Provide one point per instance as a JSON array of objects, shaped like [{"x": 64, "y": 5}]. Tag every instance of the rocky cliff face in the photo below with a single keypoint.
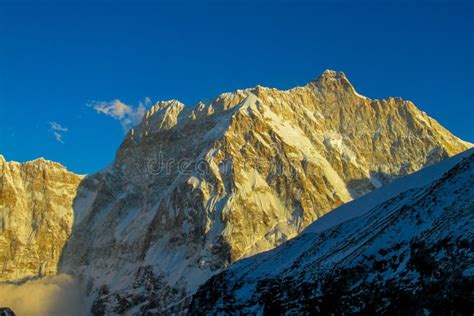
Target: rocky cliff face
[
  {"x": 193, "y": 189},
  {"x": 408, "y": 253},
  {"x": 36, "y": 216}
]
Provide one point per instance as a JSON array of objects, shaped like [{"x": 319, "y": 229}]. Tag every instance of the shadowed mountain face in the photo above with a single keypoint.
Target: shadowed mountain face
[
  {"x": 193, "y": 189},
  {"x": 411, "y": 254}
]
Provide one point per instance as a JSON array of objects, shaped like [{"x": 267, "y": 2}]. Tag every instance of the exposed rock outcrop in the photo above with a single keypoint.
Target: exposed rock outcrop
[{"x": 36, "y": 216}]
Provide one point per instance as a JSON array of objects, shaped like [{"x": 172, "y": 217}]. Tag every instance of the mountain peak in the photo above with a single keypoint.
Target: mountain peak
[
  {"x": 40, "y": 162},
  {"x": 331, "y": 75},
  {"x": 331, "y": 81},
  {"x": 233, "y": 177}
]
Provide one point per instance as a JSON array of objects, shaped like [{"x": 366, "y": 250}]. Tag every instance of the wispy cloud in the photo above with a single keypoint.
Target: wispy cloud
[
  {"x": 53, "y": 295},
  {"x": 58, "y": 131},
  {"x": 128, "y": 115}
]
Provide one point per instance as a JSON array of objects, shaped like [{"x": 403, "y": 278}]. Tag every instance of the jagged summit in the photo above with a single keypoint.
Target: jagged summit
[
  {"x": 329, "y": 74},
  {"x": 40, "y": 162},
  {"x": 332, "y": 82},
  {"x": 164, "y": 114}
]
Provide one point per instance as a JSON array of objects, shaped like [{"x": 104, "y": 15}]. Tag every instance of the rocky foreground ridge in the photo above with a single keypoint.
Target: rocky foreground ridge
[{"x": 193, "y": 189}]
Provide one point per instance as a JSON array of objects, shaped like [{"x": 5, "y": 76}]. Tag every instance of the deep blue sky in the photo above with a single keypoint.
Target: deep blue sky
[{"x": 56, "y": 57}]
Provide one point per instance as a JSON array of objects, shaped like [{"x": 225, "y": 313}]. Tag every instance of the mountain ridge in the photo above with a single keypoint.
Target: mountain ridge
[
  {"x": 36, "y": 216},
  {"x": 193, "y": 189}
]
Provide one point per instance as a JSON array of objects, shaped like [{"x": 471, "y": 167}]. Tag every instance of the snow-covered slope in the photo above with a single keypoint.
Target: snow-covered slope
[
  {"x": 390, "y": 190},
  {"x": 193, "y": 189},
  {"x": 392, "y": 251}
]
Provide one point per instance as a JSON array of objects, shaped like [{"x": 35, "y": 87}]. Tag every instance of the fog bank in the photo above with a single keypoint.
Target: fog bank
[{"x": 55, "y": 295}]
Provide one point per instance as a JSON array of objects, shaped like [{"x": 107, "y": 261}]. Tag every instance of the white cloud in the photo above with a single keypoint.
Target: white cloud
[
  {"x": 58, "y": 131},
  {"x": 58, "y": 137},
  {"x": 115, "y": 109},
  {"x": 128, "y": 115},
  {"x": 55, "y": 295}
]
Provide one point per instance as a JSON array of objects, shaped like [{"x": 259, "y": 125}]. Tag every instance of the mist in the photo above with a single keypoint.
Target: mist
[{"x": 54, "y": 295}]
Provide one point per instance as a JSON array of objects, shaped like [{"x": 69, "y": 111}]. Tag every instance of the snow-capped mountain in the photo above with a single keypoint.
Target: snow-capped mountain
[
  {"x": 193, "y": 189},
  {"x": 36, "y": 216},
  {"x": 389, "y": 252}
]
